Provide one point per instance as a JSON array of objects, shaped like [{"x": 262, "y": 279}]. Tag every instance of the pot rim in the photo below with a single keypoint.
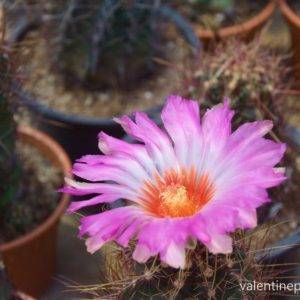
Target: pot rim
[
  {"x": 42, "y": 141},
  {"x": 288, "y": 13},
  {"x": 238, "y": 29},
  {"x": 26, "y": 99}
]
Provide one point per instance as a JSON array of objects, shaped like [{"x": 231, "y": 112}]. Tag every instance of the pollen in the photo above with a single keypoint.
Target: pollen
[
  {"x": 178, "y": 194},
  {"x": 174, "y": 195},
  {"x": 175, "y": 201}
]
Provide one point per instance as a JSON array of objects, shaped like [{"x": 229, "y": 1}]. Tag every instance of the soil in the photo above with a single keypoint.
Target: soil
[
  {"x": 38, "y": 194},
  {"x": 49, "y": 89},
  {"x": 202, "y": 13}
]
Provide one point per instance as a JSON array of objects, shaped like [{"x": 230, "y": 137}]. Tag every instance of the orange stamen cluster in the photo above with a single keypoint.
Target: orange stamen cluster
[{"x": 177, "y": 194}]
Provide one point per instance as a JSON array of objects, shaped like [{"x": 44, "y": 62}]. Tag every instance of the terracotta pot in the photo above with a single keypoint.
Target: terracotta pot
[
  {"x": 30, "y": 259},
  {"x": 245, "y": 30},
  {"x": 293, "y": 21}
]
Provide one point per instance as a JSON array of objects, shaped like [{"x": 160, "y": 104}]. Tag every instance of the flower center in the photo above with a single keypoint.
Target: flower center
[
  {"x": 177, "y": 194},
  {"x": 175, "y": 201}
]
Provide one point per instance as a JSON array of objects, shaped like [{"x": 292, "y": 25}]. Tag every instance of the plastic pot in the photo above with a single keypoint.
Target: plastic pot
[
  {"x": 77, "y": 134},
  {"x": 30, "y": 259},
  {"x": 245, "y": 30},
  {"x": 293, "y": 21}
]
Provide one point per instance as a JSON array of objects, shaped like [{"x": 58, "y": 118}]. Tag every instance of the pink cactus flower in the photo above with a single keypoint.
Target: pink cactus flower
[{"x": 190, "y": 181}]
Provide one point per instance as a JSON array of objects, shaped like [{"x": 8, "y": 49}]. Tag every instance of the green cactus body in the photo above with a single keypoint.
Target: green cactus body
[
  {"x": 106, "y": 42},
  {"x": 245, "y": 73},
  {"x": 206, "y": 276},
  {"x": 9, "y": 168}
]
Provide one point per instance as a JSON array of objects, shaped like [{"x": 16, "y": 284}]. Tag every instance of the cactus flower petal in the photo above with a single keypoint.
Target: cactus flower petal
[{"x": 192, "y": 180}]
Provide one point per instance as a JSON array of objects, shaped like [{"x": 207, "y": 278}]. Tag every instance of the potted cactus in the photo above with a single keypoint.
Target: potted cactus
[
  {"x": 95, "y": 59},
  {"x": 29, "y": 207},
  {"x": 105, "y": 43},
  {"x": 188, "y": 187},
  {"x": 248, "y": 73},
  {"x": 221, "y": 19}
]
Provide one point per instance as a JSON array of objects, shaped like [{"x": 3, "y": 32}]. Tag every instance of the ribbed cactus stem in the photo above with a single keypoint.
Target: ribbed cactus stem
[
  {"x": 104, "y": 42},
  {"x": 206, "y": 276},
  {"x": 9, "y": 170}
]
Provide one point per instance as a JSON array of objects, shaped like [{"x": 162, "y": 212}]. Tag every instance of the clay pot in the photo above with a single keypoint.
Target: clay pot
[
  {"x": 293, "y": 21},
  {"x": 30, "y": 259},
  {"x": 246, "y": 30}
]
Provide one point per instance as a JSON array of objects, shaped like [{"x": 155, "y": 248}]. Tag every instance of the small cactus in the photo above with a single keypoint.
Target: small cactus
[
  {"x": 248, "y": 74},
  {"x": 104, "y": 42}
]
